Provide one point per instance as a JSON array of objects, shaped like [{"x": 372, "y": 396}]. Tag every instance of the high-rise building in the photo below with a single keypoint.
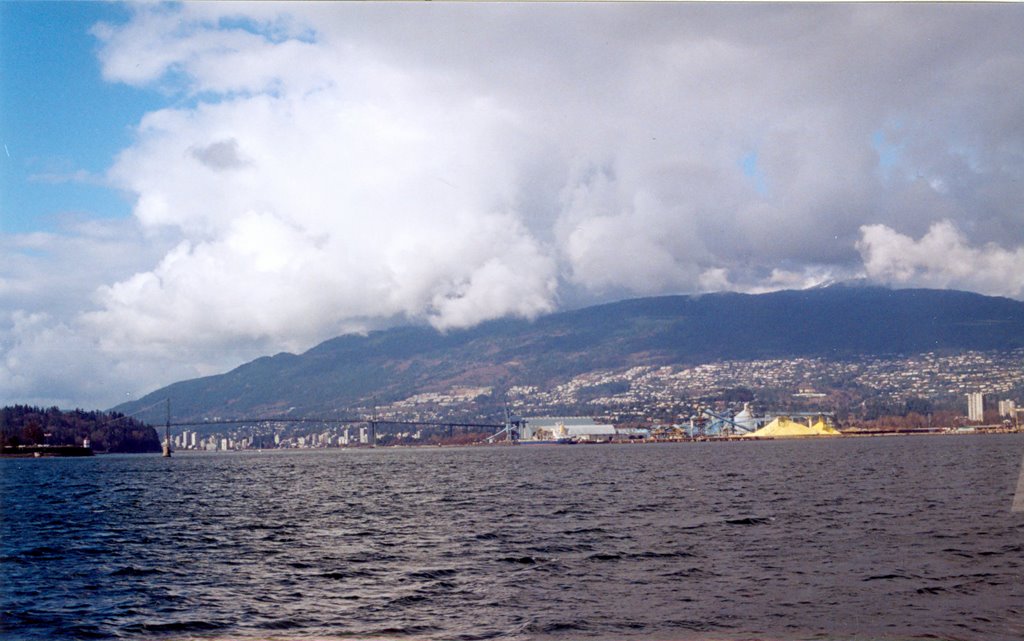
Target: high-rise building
[
  {"x": 1007, "y": 408},
  {"x": 976, "y": 407}
]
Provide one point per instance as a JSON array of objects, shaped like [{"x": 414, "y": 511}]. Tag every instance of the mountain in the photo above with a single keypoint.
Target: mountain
[{"x": 838, "y": 322}]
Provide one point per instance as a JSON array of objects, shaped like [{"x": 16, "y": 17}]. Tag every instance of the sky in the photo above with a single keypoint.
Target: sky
[{"x": 186, "y": 187}]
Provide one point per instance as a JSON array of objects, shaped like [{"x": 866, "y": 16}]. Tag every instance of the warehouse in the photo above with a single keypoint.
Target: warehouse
[{"x": 565, "y": 429}]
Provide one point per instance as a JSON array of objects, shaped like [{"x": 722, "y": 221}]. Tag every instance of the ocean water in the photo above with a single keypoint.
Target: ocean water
[{"x": 871, "y": 538}]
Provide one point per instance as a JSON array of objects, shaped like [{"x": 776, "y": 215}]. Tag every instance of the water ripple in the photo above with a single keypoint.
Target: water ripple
[{"x": 709, "y": 541}]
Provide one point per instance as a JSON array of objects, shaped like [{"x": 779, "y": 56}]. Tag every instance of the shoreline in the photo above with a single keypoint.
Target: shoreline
[
  {"x": 69, "y": 451},
  {"x": 46, "y": 451}
]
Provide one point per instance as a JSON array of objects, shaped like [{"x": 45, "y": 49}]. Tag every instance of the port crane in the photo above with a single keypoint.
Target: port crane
[{"x": 715, "y": 424}]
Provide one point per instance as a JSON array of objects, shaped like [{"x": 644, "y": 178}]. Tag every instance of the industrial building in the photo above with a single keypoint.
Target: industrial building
[{"x": 564, "y": 429}]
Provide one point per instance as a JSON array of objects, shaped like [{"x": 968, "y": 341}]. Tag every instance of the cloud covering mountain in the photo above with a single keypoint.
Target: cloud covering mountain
[{"x": 325, "y": 168}]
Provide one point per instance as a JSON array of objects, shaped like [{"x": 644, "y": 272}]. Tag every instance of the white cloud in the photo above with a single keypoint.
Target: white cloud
[
  {"x": 48, "y": 355},
  {"x": 720, "y": 280},
  {"x": 79, "y": 176},
  {"x": 57, "y": 272},
  {"x": 240, "y": 48},
  {"x": 942, "y": 259},
  {"x": 47, "y": 362},
  {"x": 332, "y": 209},
  {"x": 321, "y": 167}
]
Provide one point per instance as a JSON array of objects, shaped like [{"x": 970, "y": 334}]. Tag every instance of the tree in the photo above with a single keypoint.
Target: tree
[{"x": 33, "y": 433}]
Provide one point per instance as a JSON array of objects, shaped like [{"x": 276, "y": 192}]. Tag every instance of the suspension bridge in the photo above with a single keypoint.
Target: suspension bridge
[{"x": 373, "y": 423}]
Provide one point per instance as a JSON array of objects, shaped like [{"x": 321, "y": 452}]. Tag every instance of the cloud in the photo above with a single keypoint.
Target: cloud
[
  {"x": 79, "y": 176},
  {"x": 339, "y": 209},
  {"x": 941, "y": 259},
  {"x": 220, "y": 155},
  {"x": 244, "y": 48},
  {"x": 57, "y": 272},
  {"x": 321, "y": 168},
  {"x": 45, "y": 360},
  {"x": 47, "y": 354}
]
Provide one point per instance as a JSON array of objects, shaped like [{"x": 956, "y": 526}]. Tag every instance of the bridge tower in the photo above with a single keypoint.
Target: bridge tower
[
  {"x": 167, "y": 430},
  {"x": 373, "y": 425}
]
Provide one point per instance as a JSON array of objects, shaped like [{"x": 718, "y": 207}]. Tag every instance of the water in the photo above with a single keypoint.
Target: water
[{"x": 880, "y": 538}]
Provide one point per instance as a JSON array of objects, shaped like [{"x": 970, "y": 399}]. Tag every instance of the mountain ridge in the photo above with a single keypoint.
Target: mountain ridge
[{"x": 836, "y": 322}]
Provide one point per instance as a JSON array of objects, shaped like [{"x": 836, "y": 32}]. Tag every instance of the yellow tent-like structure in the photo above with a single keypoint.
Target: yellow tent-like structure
[{"x": 783, "y": 427}]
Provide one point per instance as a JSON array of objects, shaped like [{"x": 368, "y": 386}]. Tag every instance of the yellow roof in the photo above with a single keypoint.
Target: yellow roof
[{"x": 783, "y": 427}]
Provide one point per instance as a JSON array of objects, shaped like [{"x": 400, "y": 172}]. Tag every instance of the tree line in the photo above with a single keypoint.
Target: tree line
[{"x": 107, "y": 431}]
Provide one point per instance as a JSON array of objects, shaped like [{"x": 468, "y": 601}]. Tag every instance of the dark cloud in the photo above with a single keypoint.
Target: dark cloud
[{"x": 220, "y": 155}]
